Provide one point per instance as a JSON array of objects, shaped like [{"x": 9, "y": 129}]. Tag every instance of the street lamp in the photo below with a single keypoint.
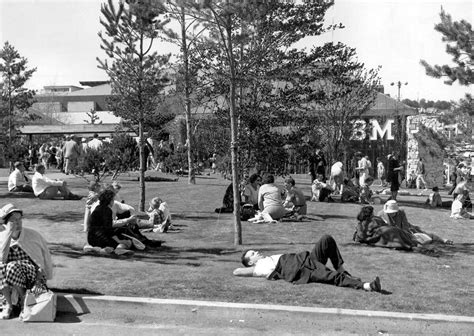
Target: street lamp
[{"x": 399, "y": 85}]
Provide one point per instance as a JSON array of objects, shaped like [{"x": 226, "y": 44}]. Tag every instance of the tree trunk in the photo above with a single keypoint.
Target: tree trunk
[
  {"x": 141, "y": 147},
  {"x": 187, "y": 100},
  {"x": 234, "y": 143}
]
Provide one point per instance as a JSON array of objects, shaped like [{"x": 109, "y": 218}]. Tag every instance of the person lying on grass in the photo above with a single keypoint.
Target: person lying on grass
[
  {"x": 393, "y": 215},
  {"x": 305, "y": 267},
  {"x": 372, "y": 230}
]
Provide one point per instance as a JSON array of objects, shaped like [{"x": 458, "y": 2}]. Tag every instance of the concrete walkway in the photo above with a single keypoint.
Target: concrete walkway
[{"x": 112, "y": 315}]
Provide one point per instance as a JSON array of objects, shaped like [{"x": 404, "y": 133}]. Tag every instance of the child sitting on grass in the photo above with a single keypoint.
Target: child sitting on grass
[
  {"x": 434, "y": 199},
  {"x": 159, "y": 215}
]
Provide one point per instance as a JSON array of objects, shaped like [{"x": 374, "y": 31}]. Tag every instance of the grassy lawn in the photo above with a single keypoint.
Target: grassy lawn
[{"x": 197, "y": 262}]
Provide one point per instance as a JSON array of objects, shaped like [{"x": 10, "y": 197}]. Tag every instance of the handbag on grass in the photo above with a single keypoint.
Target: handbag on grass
[{"x": 39, "y": 307}]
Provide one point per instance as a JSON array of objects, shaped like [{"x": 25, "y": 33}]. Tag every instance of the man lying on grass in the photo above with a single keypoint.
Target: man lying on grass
[{"x": 305, "y": 267}]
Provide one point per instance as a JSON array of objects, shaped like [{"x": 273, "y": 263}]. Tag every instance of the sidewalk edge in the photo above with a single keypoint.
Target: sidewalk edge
[{"x": 81, "y": 303}]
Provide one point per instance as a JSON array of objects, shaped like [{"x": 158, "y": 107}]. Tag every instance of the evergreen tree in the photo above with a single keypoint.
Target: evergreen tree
[
  {"x": 458, "y": 37},
  {"x": 137, "y": 71},
  {"x": 16, "y": 99}
]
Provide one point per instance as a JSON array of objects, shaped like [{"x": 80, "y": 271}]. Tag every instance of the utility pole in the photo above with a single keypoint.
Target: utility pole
[{"x": 399, "y": 85}]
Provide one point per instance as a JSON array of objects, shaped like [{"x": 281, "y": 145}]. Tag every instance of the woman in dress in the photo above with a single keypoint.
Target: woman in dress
[{"x": 269, "y": 198}]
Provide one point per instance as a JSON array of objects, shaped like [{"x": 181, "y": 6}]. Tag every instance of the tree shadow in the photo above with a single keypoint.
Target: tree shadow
[
  {"x": 65, "y": 216},
  {"x": 17, "y": 195}
]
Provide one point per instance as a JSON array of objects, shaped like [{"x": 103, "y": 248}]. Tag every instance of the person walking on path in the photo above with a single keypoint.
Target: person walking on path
[
  {"x": 305, "y": 267},
  {"x": 420, "y": 177}
]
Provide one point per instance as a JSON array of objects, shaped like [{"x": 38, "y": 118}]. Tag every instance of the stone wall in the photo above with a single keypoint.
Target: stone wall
[{"x": 422, "y": 144}]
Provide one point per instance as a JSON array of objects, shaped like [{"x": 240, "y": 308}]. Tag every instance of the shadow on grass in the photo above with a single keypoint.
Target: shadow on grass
[
  {"x": 17, "y": 195},
  {"x": 324, "y": 217},
  {"x": 66, "y": 216},
  {"x": 76, "y": 290},
  {"x": 431, "y": 250}
]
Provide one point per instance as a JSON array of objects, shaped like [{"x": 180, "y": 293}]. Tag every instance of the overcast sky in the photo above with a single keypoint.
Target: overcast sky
[{"x": 59, "y": 37}]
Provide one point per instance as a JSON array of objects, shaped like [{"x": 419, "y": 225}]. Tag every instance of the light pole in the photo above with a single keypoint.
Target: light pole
[{"x": 399, "y": 85}]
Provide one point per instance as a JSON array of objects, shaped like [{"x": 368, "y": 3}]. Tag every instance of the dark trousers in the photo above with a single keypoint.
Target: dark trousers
[{"x": 324, "y": 249}]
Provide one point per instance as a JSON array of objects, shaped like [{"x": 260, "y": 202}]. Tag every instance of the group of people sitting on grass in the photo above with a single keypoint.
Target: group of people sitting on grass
[
  {"x": 263, "y": 200},
  {"x": 40, "y": 185},
  {"x": 115, "y": 227}
]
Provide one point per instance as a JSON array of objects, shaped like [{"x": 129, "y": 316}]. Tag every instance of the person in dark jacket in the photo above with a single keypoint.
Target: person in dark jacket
[{"x": 305, "y": 267}]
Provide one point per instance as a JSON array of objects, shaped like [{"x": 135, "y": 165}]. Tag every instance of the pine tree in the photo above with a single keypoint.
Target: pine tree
[
  {"x": 458, "y": 37},
  {"x": 16, "y": 99},
  {"x": 137, "y": 72}
]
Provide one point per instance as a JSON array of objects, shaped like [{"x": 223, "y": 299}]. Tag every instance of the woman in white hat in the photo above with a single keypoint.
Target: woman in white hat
[
  {"x": 25, "y": 259},
  {"x": 393, "y": 215}
]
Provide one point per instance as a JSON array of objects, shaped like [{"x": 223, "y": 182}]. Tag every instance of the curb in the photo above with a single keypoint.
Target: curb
[{"x": 84, "y": 304}]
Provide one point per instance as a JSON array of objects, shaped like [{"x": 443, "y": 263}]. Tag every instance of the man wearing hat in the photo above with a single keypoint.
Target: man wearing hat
[{"x": 18, "y": 181}]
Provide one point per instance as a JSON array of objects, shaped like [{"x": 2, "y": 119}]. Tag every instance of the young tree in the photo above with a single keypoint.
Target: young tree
[
  {"x": 137, "y": 72},
  {"x": 458, "y": 37},
  {"x": 16, "y": 99},
  {"x": 93, "y": 118}
]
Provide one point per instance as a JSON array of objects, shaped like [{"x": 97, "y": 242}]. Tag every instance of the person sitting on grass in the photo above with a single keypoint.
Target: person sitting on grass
[
  {"x": 458, "y": 209},
  {"x": 46, "y": 188},
  {"x": 295, "y": 199},
  {"x": 372, "y": 230},
  {"x": 18, "y": 181},
  {"x": 102, "y": 231},
  {"x": 304, "y": 267},
  {"x": 350, "y": 192},
  {"x": 365, "y": 194},
  {"x": 321, "y": 190},
  {"x": 250, "y": 193},
  {"x": 393, "y": 215},
  {"x": 92, "y": 198},
  {"x": 25, "y": 260},
  {"x": 228, "y": 201},
  {"x": 434, "y": 199},
  {"x": 159, "y": 217},
  {"x": 269, "y": 198}
]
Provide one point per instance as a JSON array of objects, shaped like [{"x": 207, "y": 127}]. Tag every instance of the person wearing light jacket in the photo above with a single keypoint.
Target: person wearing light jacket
[{"x": 25, "y": 260}]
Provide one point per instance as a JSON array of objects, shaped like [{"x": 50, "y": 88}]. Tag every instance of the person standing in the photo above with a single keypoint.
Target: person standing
[
  {"x": 363, "y": 168},
  {"x": 381, "y": 172},
  {"x": 420, "y": 176},
  {"x": 392, "y": 175},
  {"x": 95, "y": 143},
  {"x": 71, "y": 152}
]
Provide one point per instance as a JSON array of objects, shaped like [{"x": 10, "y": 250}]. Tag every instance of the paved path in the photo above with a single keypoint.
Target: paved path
[{"x": 110, "y": 315}]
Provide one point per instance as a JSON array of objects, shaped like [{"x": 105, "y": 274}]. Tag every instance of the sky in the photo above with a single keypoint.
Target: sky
[{"x": 59, "y": 38}]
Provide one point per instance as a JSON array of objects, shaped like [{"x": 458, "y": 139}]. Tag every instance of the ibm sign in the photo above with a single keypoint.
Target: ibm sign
[{"x": 378, "y": 132}]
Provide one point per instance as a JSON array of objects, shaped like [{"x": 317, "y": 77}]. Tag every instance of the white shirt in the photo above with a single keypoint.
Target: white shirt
[
  {"x": 95, "y": 144},
  {"x": 265, "y": 266},
  {"x": 41, "y": 182},
  {"x": 17, "y": 178}
]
